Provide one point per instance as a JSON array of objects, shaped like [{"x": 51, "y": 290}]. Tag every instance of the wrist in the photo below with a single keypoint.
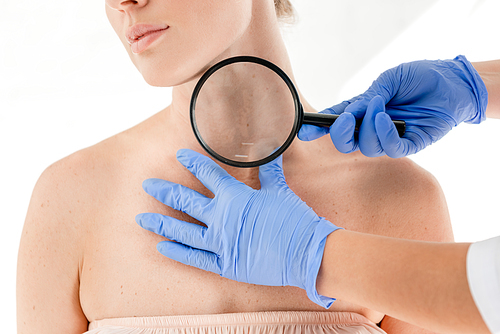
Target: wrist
[
  {"x": 330, "y": 269},
  {"x": 314, "y": 255},
  {"x": 478, "y": 90},
  {"x": 489, "y": 71}
]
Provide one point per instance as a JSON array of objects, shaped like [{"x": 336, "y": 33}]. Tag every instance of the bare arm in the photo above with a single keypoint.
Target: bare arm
[
  {"x": 434, "y": 294},
  {"x": 49, "y": 261},
  {"x": 490, "y": 73}
]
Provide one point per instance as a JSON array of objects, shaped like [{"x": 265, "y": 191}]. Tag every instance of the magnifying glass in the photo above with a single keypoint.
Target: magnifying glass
[{"x": 245, "y": 112}]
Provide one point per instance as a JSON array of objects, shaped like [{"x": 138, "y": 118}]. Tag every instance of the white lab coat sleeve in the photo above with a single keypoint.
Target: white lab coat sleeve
[{"x": 483, "y": 273}]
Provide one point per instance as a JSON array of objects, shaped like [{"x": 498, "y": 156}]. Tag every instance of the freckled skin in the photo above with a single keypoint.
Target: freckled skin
[{"x": 93, "y": 261}]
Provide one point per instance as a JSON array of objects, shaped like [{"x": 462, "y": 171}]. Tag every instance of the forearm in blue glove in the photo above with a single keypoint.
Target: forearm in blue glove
[
  {"x": 267, "y": 236},
  {"x": 430, "y": 96}
]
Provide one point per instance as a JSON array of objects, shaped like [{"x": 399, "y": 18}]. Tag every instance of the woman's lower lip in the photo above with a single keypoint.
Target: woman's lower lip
[{"x": 142, "y": 44}]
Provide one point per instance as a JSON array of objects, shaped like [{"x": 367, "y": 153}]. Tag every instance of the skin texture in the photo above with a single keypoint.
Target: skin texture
[{"x": 82, "y": 256}]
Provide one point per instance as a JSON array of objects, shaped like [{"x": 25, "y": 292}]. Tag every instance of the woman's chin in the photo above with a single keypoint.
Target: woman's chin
[
  {"x": 159, "y": 80},
  {"x": 166, "y": 78}
]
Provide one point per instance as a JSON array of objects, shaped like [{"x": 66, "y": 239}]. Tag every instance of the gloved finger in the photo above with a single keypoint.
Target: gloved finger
[
  {"x": 178, "y": 197},
  {"x": 386, "y": 86},
  {"x": 190, "y": 256},
  {"x": 392, "y": 144},
  {"x": 342, "y": 133},
  {"x": 311, "y": 132},
  {"x": 271, "y": 174},
  {"x": 212, "y": 176},
  {"x": 174, "y": 229},
  {"x": 369, "y": 143},
  {"x": 415, "y": 139},
  {"x": 359, "y": 107}
]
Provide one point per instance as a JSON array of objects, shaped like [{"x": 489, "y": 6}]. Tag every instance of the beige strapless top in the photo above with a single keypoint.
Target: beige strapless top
[{"x": 236, "y": 323}]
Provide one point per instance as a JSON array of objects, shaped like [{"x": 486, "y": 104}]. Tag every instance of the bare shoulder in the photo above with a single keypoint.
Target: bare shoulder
[
  {"x": 51, "y": 252},
  {"x": 68, "y": 197},
  {"x": 384, "y": 196},
  {"x": 59, "y": 194},
  {"x": 76, "y": 178},
  {"x": 87, "y": 173},
  {"x": 68, "y": 192},
  {"x": 401, "y": 198}
]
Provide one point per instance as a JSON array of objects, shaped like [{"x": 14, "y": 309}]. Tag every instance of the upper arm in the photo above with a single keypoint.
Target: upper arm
[{"x": 49, "y": 259}]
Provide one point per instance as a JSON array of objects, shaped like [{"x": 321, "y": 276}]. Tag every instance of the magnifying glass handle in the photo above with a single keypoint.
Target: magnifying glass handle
[{"x": 327, "y": 120}]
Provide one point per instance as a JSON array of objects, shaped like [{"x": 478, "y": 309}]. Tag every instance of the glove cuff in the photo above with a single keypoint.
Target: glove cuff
[
  {"x": 323, "y": 229},
  {"x": 478, "y": 88}
]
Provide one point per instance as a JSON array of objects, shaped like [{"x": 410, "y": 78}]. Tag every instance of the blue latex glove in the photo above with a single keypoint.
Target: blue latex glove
[
  {"x": 430, "y": 96},
  {"x": 267, "y": 236}
]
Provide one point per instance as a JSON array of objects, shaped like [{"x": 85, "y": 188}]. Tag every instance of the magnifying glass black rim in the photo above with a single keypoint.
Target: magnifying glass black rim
[{"x": 241, "y": 59}]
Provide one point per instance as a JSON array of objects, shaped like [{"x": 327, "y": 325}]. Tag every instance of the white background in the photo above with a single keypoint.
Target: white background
[{"x": 66, "y": 83}]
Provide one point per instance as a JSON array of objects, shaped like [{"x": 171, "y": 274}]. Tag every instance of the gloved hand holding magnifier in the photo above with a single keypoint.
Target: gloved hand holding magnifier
[{"x": 242, "y": 128}]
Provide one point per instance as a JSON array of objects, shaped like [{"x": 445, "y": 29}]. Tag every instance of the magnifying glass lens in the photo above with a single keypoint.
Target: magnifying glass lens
[{"x": 244, "y": 112}]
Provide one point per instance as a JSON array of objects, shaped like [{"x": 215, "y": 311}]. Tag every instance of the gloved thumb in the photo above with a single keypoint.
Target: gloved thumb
[
  {"x": 206, "y": 170},
  {"x": 271, "y": 174}
]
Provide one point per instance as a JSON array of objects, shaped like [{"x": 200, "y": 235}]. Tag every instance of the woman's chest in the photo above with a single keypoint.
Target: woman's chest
[{"x": 124, "y": 275}]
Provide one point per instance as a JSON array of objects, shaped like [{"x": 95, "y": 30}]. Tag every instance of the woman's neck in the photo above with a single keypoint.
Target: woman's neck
[{"x": 263, "y": 39}]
